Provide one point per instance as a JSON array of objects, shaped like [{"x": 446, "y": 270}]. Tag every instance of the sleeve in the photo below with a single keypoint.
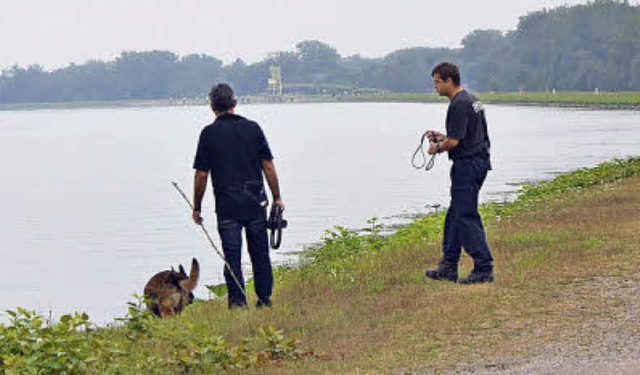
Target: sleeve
[
  {"x": 202, "y": 161},
  {"x": 458, "y": 121},
  {"x": 264, "y": 152}
]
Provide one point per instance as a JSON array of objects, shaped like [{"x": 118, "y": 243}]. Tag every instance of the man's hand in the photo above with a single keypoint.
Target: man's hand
[
  {"x": 195, "y": 215},
  {"x": 199, "y": 186},
  {"x": 280, "y": 203},
  {"x": 434, "y": 148},
  {"x": 434, "y": 134}
]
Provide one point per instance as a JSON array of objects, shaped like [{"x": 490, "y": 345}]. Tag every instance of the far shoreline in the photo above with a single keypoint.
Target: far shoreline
[{"x": 609, "y": 101}]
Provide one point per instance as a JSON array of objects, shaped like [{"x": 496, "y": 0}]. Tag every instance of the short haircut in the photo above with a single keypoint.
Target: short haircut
[
  {"x": 221, "y": 96},
  {"x": 447, "y": 70}
]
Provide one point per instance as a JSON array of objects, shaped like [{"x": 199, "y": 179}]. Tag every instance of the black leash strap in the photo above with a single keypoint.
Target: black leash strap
[
  {"x": 276, "y": 224},
  {"x": 425, "y": 164}
]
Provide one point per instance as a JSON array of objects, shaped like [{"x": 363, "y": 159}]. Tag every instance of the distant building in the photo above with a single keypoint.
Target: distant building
[{"x": 275, "y": 81}]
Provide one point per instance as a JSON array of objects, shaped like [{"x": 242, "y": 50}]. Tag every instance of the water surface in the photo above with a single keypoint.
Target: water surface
[{"x": 88, "y": 212}]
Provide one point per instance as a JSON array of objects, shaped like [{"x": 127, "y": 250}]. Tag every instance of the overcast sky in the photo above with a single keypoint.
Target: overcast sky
[{"x": 55, "y": 33}]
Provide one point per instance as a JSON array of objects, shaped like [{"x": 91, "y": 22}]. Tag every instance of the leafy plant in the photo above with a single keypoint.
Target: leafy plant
[
  {"x": 31, "y": 344},
  {"x": 138, "y": 318},
  {"x": 276, "y": 346},
  {"x": 218, "y": 291}
]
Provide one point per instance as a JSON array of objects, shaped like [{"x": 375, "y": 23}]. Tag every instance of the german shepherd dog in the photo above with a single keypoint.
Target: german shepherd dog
[{"x": 169, "y": 292}]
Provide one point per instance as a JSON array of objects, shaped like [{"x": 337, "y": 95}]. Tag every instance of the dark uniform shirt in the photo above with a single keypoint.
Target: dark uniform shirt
[
  {"x": 467, "y": 123},
  {"x": 232, "y": 149}
]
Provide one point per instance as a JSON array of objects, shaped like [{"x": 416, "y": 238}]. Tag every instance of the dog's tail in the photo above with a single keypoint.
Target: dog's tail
[{"x": 191, "y": 283}]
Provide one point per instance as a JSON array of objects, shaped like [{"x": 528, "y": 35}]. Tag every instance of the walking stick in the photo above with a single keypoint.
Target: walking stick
[{"x": 211, "y": 241}]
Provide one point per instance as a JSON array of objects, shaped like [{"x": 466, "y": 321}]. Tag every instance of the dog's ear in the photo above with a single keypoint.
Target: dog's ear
[{"x": 182, "y": 272}]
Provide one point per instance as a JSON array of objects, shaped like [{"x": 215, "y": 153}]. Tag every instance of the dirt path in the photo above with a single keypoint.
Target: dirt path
[{"x": 609, "y": 343}]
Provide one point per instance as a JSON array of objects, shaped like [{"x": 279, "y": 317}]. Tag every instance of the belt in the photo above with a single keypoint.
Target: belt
[{"x": 479, "y": 156}]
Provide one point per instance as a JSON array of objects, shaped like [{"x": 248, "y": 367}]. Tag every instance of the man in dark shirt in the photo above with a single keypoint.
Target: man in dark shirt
[
  {"x": 236, "y": 153},
  {"x": 468, "y": 145}
]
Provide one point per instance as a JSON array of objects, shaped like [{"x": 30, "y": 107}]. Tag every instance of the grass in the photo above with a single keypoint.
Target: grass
[
  {"x": 360, "y": 304},
  {"x": 560, "y": 98}
]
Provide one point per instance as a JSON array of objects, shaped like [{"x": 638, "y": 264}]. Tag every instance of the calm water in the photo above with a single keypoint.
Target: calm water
[{"x": 88, "y": 212}]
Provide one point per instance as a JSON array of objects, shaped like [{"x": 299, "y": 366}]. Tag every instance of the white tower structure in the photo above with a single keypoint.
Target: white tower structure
[{"x": 275, "y": 81}]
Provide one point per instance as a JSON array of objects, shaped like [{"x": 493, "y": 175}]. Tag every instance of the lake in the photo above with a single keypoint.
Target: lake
[{"x": 88, "y": 212}]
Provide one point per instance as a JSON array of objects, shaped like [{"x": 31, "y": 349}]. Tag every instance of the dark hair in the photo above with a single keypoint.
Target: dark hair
[
  {"x": 221, "y": 96},
  {"x": 447, "y": 70}
]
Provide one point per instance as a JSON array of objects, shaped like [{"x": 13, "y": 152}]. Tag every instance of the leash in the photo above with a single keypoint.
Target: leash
[
  {"x": 211, "y": 241},
  {"x": 276, "y": 224},
  {"x": 427, "y": 165}
]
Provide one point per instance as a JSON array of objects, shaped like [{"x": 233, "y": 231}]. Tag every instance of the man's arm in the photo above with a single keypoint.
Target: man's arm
[
  {"x": 445, "y": 145},
  {"x": 199, "y": 187},
  {"x": 271, "y": 175}
]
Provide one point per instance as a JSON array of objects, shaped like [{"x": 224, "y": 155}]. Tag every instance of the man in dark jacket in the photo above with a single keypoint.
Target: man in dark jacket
[
  {"x": 467, "y": 143},
  {"x": 236, "y": 153}
]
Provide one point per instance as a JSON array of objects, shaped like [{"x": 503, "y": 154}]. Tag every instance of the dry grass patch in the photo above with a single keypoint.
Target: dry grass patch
[
  {"x": 549, "y": 261},
  {"x": 555, "y": 265}
]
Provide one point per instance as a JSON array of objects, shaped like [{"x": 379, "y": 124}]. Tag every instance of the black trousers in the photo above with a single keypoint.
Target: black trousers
[
  {"x": 463, "y": 225},
  {"x": 258, "y": 246}
]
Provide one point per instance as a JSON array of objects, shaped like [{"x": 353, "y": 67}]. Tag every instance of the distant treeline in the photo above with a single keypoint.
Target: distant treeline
[{"x": 584, "y": 47}]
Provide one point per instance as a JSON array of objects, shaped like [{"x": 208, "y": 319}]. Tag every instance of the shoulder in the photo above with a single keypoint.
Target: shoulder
[
  {"x": 465, "y": 97},
  {"x": 207, "y": 129},
  {"x": 473, "y": 102},
  {"x": 249, "y": 122},
  {"x": 242, "y": 120},
  {"x": 253, "y": 126},
  {"x": 464, "y": 100}
]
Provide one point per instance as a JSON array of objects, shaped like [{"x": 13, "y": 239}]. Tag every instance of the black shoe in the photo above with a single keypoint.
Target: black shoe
[
  {"x": 263, "y": 303},
  {"x": 445, "y": 271},
  {"x": 237, "y": 305},
  {"x": 476, "y": 277}
]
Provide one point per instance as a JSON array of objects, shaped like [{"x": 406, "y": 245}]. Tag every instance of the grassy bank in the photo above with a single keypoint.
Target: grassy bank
[
  {"x": 361, "y": 303},
  {"x": 605, "y": 100}
]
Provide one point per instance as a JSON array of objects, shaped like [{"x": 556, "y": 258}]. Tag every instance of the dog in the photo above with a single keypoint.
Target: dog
[{"x": 168, "y": 292}]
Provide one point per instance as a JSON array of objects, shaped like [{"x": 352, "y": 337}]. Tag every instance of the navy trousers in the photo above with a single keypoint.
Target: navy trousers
[
  {"x": 463, "y": 224},
  {"x": 258, "y": 246}
]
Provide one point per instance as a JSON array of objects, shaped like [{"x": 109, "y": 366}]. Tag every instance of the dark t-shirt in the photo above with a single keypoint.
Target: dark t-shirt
[
  {"x": 232, "y": 149},
  {"x": 467, "y": 123}
]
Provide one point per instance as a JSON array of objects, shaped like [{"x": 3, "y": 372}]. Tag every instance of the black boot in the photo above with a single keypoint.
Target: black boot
[
  {"x": 476, "y": 277},
  {"x": 263, "y": 303},
  {"x": 445, "y": 271}
]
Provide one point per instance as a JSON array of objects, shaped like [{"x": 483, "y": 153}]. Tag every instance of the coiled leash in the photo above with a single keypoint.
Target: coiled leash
[
  {"x": 426, "y": 165},
  {"x": 276, "y": 224}
]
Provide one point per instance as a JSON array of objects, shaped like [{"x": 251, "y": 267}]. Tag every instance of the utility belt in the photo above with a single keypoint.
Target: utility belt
[
  {"x": 481, "y": 151},
  {"x": 250, "y": 197},
  {"x": 474, "y": 156}
]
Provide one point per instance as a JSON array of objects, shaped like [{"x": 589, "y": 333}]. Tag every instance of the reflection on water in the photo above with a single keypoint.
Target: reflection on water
[{"x": 89, "y": 213}]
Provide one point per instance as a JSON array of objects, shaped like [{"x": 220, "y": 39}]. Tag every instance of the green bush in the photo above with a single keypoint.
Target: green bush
[{"x": 31, "y": 344}]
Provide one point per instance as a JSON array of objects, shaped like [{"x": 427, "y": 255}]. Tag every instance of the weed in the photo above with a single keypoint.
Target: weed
[
  {"x": 138, "y": 318},
  {"x": 31, "y": 344}
]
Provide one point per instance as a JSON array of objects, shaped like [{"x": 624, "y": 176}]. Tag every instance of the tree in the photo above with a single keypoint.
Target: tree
[
  {"x": 567, "y": 48},
  {"x": 145, "y": 75},
  {"x": 480, "y": 48},
  {"x": 319, "y": 62}
]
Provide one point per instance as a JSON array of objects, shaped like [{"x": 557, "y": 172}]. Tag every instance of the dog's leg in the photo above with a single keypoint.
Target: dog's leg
[{"x": 165, "y": 305}]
